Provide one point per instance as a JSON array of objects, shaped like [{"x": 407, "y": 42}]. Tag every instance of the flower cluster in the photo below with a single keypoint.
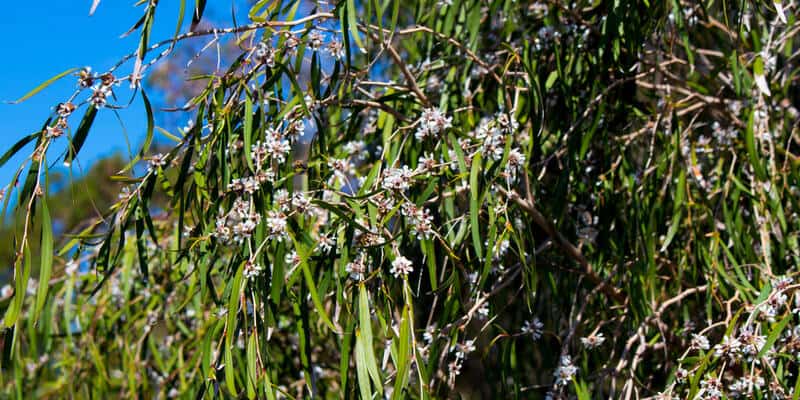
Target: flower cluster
[
  {"x": 420, "y": 220},
  {"x": 432, "y": 122},
  {"x": 239, "y": 223},
  {"x": 401, "y": 267}
]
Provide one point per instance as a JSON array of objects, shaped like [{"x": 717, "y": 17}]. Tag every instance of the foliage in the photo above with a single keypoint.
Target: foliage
[{"x": 485, "y": 198}]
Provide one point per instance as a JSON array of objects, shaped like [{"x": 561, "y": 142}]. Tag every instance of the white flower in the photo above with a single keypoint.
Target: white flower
[
  {"x": 265, "y": 53},
  {"x": 341, "y": 168},
  {"x": 244, "y": 228},
  {"x": 281, "y": 199},
  {"x": 593, "y": 341},
  {"x": 533, "y": 327},
  {"x": 468, "y": 347},
  {"x": 276, "y": 223},
  {"x": 356, "y": 149},
  {"x": 6, "y": 291},
  {"x": 564, "y": 372},
  {"x": 315, "y": 40},
  {"x": 516, "y": 162},
  {"x": 711, "y": 388},
  {"x": 336, "y": 49},
  {"x": 295, "y": 129},
  {"x": 71, "y": 267},
  {"x": 277, "y": 147},
  {"x": 398, "y": 179},
  {"x": 426, "y": 163},
  {"x": 494, "y": 143},
  {"x": 100, "y": 94},
  {"x": 300, "y": 202},
  {"x": 700, "y": 342},
  {"x": 250, "y": 185},
  {"x": 483, "y": 310},
  {"x": 251, "y": 270},
  {"x": 325, "y": 243},
  {"x": 681, "y": 375},
  {"x": 156, "y": 161},
  {"x": 744, "y": 386},
  {"x": 428, "y": 334},
  {"x": 401, "y": 266},
  {"x": 730, "y": 347},
  {"x": 420, "y": 220},
  {"x": 292, "y": 259},
  {"x": 431, "y": 123},
  {"x": 357, "y": 268}
]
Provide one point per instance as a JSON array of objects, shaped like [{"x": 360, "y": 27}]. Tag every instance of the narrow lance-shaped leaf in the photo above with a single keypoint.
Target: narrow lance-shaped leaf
[
  {"x": 43, "y": 85},
  {"x": 80, "y": 135}
]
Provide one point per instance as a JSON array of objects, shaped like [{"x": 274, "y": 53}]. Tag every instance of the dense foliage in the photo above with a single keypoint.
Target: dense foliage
[{"x": 477, "y": 198}]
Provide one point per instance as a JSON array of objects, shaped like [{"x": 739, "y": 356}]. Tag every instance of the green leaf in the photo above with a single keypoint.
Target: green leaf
[
  {"x": 199, "y": 7},
  {"x": 351, "y": 11},
  {"x": 80, "y": 135},
  {"x": 303, "y": 253},
  {"x": 551, "y": 79},
  {"x": 17, "y": 147},
  {"x": 474, "y": 206},
  {"x": 365, "y": 326},
  {"x": 248, "y": 129},
  {"x": 43, "y": 85},
  {"x": 150, "y": 125},
  {"x": 46, "y": 258},
  {"x": 774, "y": 334}
]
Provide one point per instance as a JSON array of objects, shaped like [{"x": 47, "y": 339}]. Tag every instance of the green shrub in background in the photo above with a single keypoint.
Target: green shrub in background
[{"x": 417, "y": 199}]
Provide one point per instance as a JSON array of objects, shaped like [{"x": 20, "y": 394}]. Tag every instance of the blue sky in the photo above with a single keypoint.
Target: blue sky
[{"x": 47, "y": 37}]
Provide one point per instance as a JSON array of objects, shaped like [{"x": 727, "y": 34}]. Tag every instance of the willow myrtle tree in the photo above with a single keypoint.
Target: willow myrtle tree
[{"x": 431, "y": 199}]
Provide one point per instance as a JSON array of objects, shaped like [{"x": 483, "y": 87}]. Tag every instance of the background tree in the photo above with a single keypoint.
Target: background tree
[{"x": 420, "y": 199}]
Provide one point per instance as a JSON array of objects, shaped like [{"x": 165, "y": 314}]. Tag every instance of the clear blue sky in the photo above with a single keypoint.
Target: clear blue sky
[{"x": 46, "y": 37}]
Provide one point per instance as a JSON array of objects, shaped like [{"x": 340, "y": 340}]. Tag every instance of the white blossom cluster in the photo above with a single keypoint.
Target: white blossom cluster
[
  {"x": 397, "y": 179},
  {"x": 401, "y": 267},
  {"x": 420, "y": 220},
  {"x": 239, "y": 223},
  {"x": 432, "y": 123}
]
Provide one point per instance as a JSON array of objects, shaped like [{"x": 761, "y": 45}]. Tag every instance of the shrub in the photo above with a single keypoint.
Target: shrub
[{"x": 432, "y": 199}]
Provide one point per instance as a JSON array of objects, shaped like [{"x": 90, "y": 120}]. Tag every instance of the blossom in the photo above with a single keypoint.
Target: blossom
[
  {"x": 300, "y": 202},
  {"x": 276, "y": 223},
  {"x": 681, "y": 374},
  {"x": 99, "y": 96},
  {"x": 315, "y": 40},
  {"x": 426, "y": 163},
  {"x": 277, "y": 147},
  {"x": 431, "y": 123},
  {"x": 420, "y": 220},
  {"x": 564, "y": 372},
  {"x": 398, "y": 179},
  {"x": 251, "y": 270},
  {"x": 296, "y": 128},
  {"x": 65, "y": 109},
  {"x": 292, "y": 259},
  {"x": 515, "y": 163},
  {"x": 264, "y": 53},
  {"x": 700, "y": 342},
  {"x": 730, "y": 347},
  {"x": 494, "y": 143},
  {"x": 336, "y": 49},
  {"x": 401, "y": 266},
  {"x": 711, "y": 387},
  {"x": 325, "y": 243},
  {"x": 71, "y": 267},
  {"x": 6, "y": 291},
  {"x": 155, "y": 162},
  {"x": 356, "y": 149},
  {"x": 341, "y": 168},
  {"x": 357, "y": 268},
  {"x": 593, "y": 341}
]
